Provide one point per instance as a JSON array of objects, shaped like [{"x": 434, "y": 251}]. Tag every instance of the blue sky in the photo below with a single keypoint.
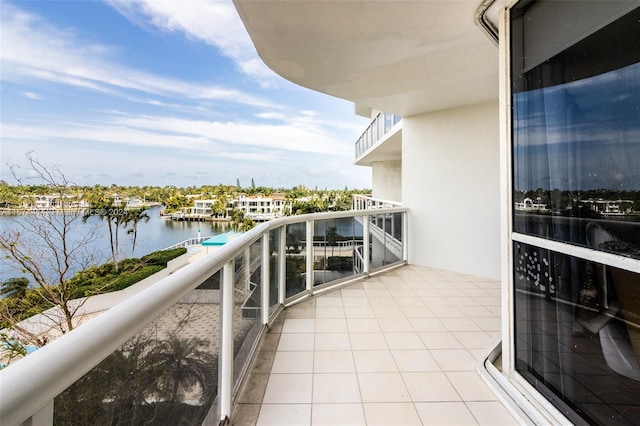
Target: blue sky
[
  {"x": 162, "y": 93},
  {"x": 580, "y": 135}
]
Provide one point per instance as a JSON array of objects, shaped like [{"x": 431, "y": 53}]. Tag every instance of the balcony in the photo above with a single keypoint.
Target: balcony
[
  {"x": 382, "y": 140},
  {"x": 301, "y": 316},
  {"x": 399, "y": 348}
]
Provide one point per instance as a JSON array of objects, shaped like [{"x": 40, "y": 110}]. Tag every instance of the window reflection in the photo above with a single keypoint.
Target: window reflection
[
  {"x": 578, "y": 333},
  {"x": 576, "y": 179},
  {"x": 576, "y": 138}
]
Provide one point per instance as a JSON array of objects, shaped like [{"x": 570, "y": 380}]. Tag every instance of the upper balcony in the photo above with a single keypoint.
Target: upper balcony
[{"x": 381, "y": 141}]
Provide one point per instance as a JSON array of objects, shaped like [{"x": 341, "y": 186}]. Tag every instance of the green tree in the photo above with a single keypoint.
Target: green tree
[
  {"x": 115, "y": 391},
  {"x": 295, "y": 237},
  {"x": 45, "y": 249},
  {"x": 106, "y": 211},
  {"x": 218, "y": 208},
  {"x": 239, "y": 222},
  {"x": 14, "y": 287},
  {"x": 183, "y": 364},
  {"x": 134, "y": 217},
  {"x": 332, "y": 236},
  {"x": 12, "y": 348},
  {"x": 9, "y": 196},
  {"x": 177, "y": 201}
]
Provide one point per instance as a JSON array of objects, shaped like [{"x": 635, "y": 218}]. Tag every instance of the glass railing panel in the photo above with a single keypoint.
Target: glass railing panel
[
  {"x": 274, "y": 270},
  {"x": 166, "y": 374},
  {"x": 295, "y": 265},
  {"x": 247, "y": 302},
  {"x": 377, "y": 241},
  {"x": 397, "y": 226},
  {"x": 336, "y": 241},
  {"x": 320, "y": 243},
  {"x": 385, "y": 249},
  {"x": 374, "y": 129}
]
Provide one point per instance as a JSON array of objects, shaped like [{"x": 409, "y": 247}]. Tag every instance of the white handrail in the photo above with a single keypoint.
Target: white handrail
[
  {"x": 32, "y": 383},
  {"x": 367, "y": 202},
  {"x": 376, "y": 131}
]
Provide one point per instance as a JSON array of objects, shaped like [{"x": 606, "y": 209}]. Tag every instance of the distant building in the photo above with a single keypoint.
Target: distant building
[
  {"x": 53, "y": 202},
  {"x": 529, "y": 205},
  {"x": 609, "y": 207},
  {"x": 261, "y": 208}
]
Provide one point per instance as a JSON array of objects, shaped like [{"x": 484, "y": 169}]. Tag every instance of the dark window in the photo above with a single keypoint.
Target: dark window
[
  {"x": 576, "y": 121},
  {"x": 576, "y": 179},
  {"x": 578, "y": 334}
]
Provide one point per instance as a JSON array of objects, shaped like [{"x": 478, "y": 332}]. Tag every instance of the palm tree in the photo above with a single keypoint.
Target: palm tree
[
  {"x": 103, "y": 208},
  {"x": 184, "y": 363},
  {"x": 239, "y": 222},
  {"x": 114, "y": 391},
  {"x": 332, "y": 236},
  {"x": 135, "y": 216}
]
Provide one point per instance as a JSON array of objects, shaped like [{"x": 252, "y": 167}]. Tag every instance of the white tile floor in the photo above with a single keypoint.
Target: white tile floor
[{"x": 397, "y": 349}]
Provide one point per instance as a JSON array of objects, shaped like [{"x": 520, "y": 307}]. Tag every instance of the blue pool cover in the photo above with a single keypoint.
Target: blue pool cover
[{"x": 221, "y": 239}]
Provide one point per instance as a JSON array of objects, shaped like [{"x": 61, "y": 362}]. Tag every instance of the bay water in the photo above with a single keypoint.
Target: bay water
[{"x": 156, "y": 234}]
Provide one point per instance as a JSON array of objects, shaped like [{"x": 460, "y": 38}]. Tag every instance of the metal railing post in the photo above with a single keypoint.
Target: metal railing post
[
  {"x": 266, "y": 284},
  {"x": 282, "y": 265},
  {"x": 405, "y": 234},
  {"x": 309, "y": 255},
  {"x": 226, "y": 341},
  {"x": 365, "y": 242},
  {"x": 392, "y": 231},
  {"x": 246, "y": 269}
]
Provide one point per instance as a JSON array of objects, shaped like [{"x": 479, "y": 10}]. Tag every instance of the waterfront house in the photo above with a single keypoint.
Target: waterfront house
[
  {"x": 53, "y": 202},
  {"x": 259, "y": 207},
  {"x": 203, "y": 207}
]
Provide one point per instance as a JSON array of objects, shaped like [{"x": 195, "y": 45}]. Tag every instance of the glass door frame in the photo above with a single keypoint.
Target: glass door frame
[{"x": 540, "y": 404}]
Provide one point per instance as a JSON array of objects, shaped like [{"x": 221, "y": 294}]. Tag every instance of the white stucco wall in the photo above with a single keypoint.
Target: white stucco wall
[
  {"x": 387, "y": 180},
  {"x": 451, "y": 183}
]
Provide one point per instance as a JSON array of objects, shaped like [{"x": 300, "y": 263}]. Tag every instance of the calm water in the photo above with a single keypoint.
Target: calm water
[{"x": 154, "y": 235}]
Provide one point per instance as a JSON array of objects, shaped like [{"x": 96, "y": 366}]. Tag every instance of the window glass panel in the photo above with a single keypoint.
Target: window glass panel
[
  {"x": 576, "y": 134},
  {"x": 576, "y": 179},
  {"x": 578, "y": 334}
]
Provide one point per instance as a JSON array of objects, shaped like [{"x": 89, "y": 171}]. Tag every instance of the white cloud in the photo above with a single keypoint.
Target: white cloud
[
  {"x": 210, "y": 137},
  {"x": 213, "y": 22},
  {"x": 271, "y": 115},
  {"x": 33, "y": 96},
  {"x": 33, "y": 49},
  {"x": 281, "y": 143},
  {"x": 302, "y": 138}
]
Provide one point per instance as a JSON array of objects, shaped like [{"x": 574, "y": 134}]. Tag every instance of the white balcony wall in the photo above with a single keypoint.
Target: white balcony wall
[
  {"x": 387, "y": 180},
  {"x": 450, "y": 183}
]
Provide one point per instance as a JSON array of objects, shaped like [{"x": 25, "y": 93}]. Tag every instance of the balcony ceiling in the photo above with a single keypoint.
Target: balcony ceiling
[{"x": 405, "y": 57}]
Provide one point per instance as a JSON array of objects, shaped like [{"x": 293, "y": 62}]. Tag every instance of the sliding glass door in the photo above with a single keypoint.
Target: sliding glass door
[{"x": 575, "y": 73}]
